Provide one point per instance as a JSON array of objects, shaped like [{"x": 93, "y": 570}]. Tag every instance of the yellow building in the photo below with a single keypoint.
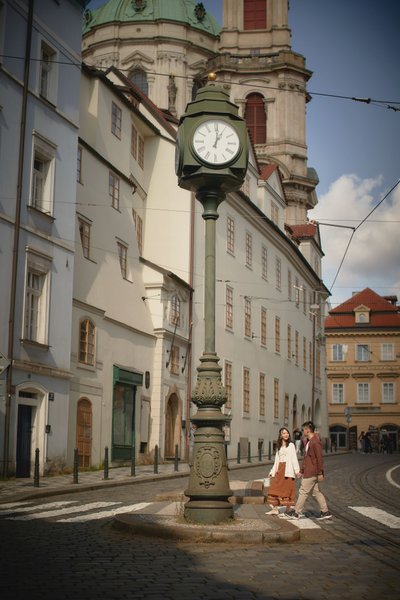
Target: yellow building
[{"x": 363, "y": 370}]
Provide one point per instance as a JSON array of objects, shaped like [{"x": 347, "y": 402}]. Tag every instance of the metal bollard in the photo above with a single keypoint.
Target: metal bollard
[
  {"x": 260, "y": 445},
  {"x": 105, "y": 463},
  {"x": 249, "y": 452},
  {"x": 176, "y": 459},
  {"x": 269, "y": 450},
  {"x": 36, "y": 469},
  {"x": 156, "y": 459},
  {"x": 238, "y": 453},
  {"x": 75, "y": 480},
  {"x": 326, "y": 445},
  {"x": 133, "y": 461}
]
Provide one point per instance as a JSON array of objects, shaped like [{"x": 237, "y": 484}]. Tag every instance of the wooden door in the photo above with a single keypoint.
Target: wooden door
[
  {"x": 24, "y": 441},
  {"x": 84, "y": 433}
]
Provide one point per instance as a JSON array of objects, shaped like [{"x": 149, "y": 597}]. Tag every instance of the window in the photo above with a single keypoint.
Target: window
[
  {"x": 337, "y": 393},
  {"x": 48, "y": 73},
  {"x": 337, "y": 352},
  {"x": 317, "y": 361},
  {"x": 387, "y": 352},
  {"x": 139, "y": 78},
  {"x": 79, "y": 165},
  {"x": 249, "y": 249},
  {"x": 274, "y": 214},
  {"x": 289, "y": 284},
  {"x": 278, "y": 273},
  {"x": 304, "y": 300},
  {"x": 228, "y": 384},
  {"x": 37, "y": 286},
  {"x": 276, "y": 399},
  {"x": 289, "y": 342},
  {"x": 134, "y": 142},
  {"x": 256, "y": 118},
  {"x": 229, "y": 307},
  {"x": 138, "y": 221},
  {"x": 43, "y": 168},
  {"x": 310, "y": 356},
  {"x": 246, "y": 390},
  {"x": 123, "y": 256},
  {"x": 86, "y": 342},
  {"x": 261, "y": 395},
  {"x": 388, "y": 393},
  {"x": 263, "y": 326},
  {"x": 297, "y": 292},
  {"x": 304, "y": 353},
  {"x": 277, "y": 335},
  {"x": 174, "y": 362},
  {"x": 230, "y": 234},
  {"x": 362, "y": 352},
  {"x": 175, "y": 314},
  {"x": 264, "y": 262},
  {"x": 113, "y": 190},
  {"x": 363, "y": 393},
  {"x": 310, "y": 302},
  {"x": 296, "y": 348},
  {"x": 34, "y": 290},
  {"x": 84, "y": 232},
  {"x": 116, "y": 120},
  {"x": 254, "y": 14},
  {"x": 141, "y": 152},
  {"x": 247, "y": 317}
]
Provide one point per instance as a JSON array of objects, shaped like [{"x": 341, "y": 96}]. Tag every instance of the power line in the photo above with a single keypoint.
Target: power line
[{"x": 373, "y": 101}]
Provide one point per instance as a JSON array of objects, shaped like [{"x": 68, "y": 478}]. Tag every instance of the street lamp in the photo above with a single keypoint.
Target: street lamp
[{"x": 211, "y": 160}]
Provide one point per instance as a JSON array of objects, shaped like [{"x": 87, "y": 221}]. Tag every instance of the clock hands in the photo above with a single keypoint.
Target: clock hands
[{"x": 218, "y": 135}]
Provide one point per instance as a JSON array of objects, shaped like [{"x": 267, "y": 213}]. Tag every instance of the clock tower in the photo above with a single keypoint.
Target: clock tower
[{"x": 268, "y": 82}]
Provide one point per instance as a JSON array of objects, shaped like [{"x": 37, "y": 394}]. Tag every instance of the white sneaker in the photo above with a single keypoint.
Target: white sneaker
[{"x": 273, "y": 511}]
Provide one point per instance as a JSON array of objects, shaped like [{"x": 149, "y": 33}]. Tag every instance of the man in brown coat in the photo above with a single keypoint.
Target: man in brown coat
[{"x": 312, "y": 472}]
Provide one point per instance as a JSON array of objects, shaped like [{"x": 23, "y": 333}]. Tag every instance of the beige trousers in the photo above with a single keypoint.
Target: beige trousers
[{"x": 309, "y": 485}]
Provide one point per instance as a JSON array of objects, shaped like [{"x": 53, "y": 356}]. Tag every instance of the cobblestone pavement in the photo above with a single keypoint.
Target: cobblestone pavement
[{"x": 50, "y": 560}]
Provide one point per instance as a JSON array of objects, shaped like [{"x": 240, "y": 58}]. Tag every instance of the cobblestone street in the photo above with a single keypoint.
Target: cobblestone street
[{"x": 52, "y": 560}]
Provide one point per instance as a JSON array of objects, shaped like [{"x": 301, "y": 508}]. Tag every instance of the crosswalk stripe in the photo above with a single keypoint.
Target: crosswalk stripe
[
  {"x": 304, "y": 523},
  {"x": 26, "y": 509},
  {"x": 63, "y": 511},
  {"x": 12, "y": 504},
  {"x": 105, "y": 513},
  {"x": 378, "y": 515}
]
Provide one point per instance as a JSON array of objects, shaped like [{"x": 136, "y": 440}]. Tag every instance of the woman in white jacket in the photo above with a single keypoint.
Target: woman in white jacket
[{"x": 282, "y": 489}]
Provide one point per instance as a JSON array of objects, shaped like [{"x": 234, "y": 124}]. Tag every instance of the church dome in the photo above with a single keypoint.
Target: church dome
[{"x": 186, "y": 12}]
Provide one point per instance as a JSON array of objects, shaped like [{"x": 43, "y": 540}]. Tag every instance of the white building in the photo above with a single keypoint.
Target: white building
[{"x": 39, "y": 82}]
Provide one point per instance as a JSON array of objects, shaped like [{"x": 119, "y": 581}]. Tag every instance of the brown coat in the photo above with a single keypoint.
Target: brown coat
[{"x": 313, "y": 462}]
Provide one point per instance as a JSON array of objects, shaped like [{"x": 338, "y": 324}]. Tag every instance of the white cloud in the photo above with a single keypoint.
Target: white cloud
[{"x": 373, "y": 258}]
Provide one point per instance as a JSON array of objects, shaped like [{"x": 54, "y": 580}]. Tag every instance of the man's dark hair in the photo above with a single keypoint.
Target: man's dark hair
[{"x": 310, "y": 425}]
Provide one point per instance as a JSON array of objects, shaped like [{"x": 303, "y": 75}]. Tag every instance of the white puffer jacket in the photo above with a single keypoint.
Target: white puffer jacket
[{"x": 292, "y": 464}]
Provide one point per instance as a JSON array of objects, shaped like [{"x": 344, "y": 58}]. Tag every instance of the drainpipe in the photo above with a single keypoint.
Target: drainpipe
[
  {"x": 191, "y": 270},
  {"x": 17, "y": 226}
]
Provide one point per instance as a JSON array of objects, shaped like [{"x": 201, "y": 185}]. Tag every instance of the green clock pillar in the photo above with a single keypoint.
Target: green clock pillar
[{"x": 211, "y": 160}]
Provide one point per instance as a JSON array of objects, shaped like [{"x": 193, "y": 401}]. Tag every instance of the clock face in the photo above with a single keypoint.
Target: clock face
[{"x": 216, "y": 142}]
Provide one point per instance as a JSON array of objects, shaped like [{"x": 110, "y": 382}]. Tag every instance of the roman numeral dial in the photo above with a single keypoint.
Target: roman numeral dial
[{"x": 216, "y": 142}]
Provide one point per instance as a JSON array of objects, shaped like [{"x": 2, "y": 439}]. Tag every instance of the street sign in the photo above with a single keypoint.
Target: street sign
[
  {"x": 348, "y": 411},
  {"x": 4, "y": 363}
]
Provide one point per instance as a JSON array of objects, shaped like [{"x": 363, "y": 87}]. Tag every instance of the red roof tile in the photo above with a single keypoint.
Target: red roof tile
[
  {"x": 267, "y": 171},
  {"x": 304, "y": 230},
  {"x": 382, "y": 313}
]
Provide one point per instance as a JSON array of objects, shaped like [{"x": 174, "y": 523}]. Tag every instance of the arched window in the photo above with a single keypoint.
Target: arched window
[
  {"x": 256, "y": 118},
  {"x": 86, "y": 342},
  {"x": 139, "y": 78}
]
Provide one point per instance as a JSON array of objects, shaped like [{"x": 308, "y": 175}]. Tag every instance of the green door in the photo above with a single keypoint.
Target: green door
[{"x": 123, "y": 420}]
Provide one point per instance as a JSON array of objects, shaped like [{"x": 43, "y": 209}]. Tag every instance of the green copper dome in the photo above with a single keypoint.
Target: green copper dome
[{"x": 186, "y": 12}]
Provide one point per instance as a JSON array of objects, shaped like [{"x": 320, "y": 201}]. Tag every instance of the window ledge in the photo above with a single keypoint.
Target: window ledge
[
  {"x": 37, "y": 211},
  {"x": 85, "y": 367},
  {"x": 246, "y": 416},
  {"x": 35, "y": 344}
]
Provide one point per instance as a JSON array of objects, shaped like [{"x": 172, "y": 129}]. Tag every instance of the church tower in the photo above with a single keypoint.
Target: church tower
[{"x": 268, "y": 81}]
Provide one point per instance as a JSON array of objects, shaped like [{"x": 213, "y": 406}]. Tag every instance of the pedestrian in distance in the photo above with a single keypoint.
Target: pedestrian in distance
[
  {"x": 282, "y": 489},
  {"x": 297, "y": 440},
  {"x": 361, "y": 439},
  {"x": 312, "y": 471}
]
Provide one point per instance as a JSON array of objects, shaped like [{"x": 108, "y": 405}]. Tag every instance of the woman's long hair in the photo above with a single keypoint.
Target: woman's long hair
[{"x": 280, "y": 439}]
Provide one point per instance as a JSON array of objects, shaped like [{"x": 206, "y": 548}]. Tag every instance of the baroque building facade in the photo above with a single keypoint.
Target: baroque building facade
[{"x": 362, "y": 345}]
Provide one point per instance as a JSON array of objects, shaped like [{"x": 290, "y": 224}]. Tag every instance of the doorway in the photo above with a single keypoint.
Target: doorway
[
  {"x": 84, "y": 433},
  {"x": 24, "y": 441},
  {"x": 172, "y": 426}
]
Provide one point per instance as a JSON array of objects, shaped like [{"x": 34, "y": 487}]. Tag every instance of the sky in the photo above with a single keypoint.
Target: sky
[{"x": 353, "y": 49}]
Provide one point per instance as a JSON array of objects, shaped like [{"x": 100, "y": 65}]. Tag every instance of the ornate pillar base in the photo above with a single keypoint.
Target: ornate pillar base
[{"x": 208, "y": 483}]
